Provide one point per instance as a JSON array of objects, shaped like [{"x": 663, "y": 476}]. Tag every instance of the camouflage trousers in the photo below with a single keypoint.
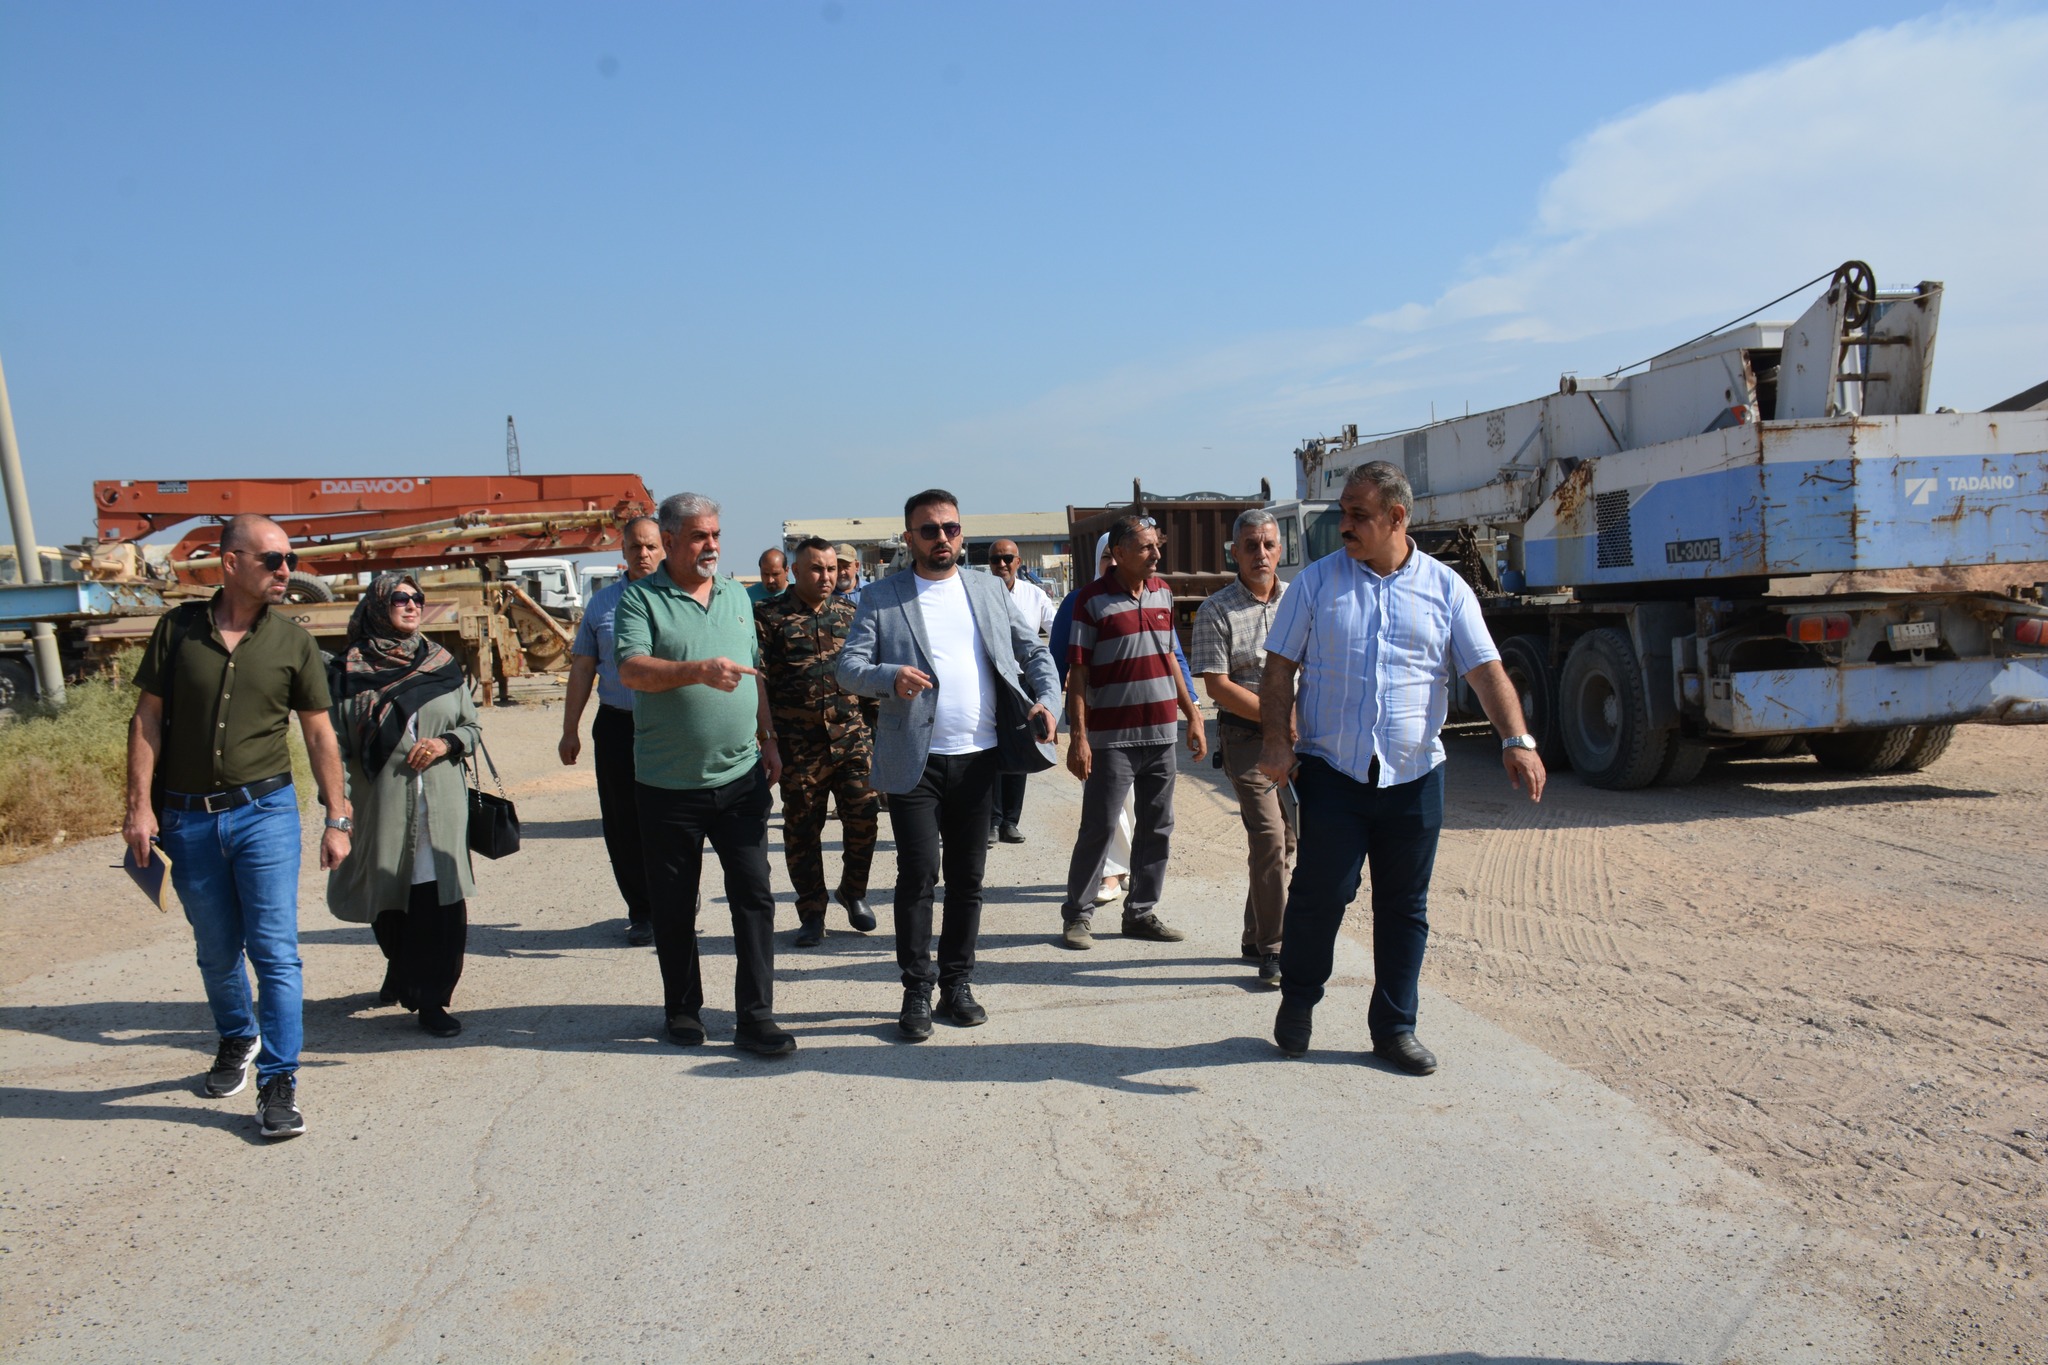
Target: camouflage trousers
[{"x": 811, "y": 776}]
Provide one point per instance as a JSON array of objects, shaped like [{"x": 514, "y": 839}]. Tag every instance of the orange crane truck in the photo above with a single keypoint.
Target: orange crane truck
[{"x": 454, "y": 533}]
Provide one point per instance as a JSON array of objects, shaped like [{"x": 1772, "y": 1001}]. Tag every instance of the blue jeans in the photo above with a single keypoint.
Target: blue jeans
[
  {"x": 237, "y": 874},
  {"x": 1344, "y": 826}
]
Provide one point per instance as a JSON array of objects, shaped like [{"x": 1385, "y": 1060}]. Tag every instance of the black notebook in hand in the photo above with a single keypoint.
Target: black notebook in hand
[{"x": 154, "y": 878}]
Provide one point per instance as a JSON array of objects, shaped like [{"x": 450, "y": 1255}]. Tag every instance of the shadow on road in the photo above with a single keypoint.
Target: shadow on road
[
  {"x": 232, "y": 1115},
  {"x": 1473, "y": 1358},
  {"x": 356, "y": 1026}
]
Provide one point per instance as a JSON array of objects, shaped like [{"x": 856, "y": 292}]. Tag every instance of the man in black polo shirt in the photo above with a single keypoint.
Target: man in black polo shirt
[{"x": 218, "y": 680}]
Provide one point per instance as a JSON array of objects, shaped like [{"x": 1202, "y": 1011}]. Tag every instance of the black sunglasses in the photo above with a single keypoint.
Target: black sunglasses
[
  {"x": 932, "y": 530},
  {"x": 273, "y": 560},
  {"x": 1002, "y": 559},
  {"x": 402, "y": 599}
]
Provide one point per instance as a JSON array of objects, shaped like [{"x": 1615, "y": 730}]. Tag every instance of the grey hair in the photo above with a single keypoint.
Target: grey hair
[
  {"x": 1250, "y": 519},
  {"x": 1391, "y": 484},
  {"x": 682, "y": 507}
]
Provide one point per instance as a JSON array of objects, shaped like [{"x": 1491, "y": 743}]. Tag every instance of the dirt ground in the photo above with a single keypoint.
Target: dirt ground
[{"x": 1838, "y": 985}]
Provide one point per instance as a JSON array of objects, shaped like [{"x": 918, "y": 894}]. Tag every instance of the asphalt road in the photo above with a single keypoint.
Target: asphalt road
[{"x": 1117, "y": 1166}]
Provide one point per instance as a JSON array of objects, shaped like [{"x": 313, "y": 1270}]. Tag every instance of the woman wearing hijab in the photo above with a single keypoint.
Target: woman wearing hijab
[{"x": 406, "y": 721}]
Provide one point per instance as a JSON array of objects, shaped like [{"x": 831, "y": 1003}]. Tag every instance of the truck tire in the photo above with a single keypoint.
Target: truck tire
[
  {"x": 305, "y": 587},
  {"x": 1864, "y": 751},
  {"x": 1683, "y": 760},
  {"x": 1929, "y": 743},
  {"x": 1527, "y": 661},
  {"x": 17, "y": 687},
  {"x": 1772, "y": 746},
  {"x": 1605, "y": 714}
]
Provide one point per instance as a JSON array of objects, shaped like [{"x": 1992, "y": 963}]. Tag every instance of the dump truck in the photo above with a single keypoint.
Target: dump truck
[
  {"x": 1194, "y": 541},
  {"x": 1760, "y": 539}
]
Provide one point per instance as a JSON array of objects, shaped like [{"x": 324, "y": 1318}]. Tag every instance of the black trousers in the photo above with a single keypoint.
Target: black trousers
[
  {"x": 1347, "y": 825},
  {"x": 1009, "y": 809},
  {"x": 424, "y": 944},
  {"x": 673, "y": 828},
  {"x": 941, "y": 825},
  {"x": 611, "y": 734}
]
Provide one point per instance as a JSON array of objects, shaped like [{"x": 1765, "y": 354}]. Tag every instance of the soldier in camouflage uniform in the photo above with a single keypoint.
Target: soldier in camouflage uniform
[{"x": 826, "y": 738}]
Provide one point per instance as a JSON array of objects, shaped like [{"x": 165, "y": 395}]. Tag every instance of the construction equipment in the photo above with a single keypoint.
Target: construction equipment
[
  {"x": 454, "y": 534},
  {"x": 353, "y": 525},
  {"x": 1194, "y": 541},
  {"x": 511, "y": 447},
  {"x": 1762, "y": 538}
]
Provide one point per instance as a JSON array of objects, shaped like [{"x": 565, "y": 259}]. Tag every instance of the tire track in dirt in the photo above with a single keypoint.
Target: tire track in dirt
[{"x": 1835, "y": 984}]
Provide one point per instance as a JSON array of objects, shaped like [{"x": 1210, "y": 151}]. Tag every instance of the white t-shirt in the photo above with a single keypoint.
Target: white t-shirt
[
  {"x": 1033, "y": 605},
  {"x": 966, "y": 719}
]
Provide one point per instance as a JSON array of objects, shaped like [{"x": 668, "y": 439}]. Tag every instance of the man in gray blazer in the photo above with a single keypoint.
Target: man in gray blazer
[{"x": 935, "y": 645}]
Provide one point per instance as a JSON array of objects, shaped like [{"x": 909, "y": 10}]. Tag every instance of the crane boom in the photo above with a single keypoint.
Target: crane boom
[{"x": 353, "y": 524}]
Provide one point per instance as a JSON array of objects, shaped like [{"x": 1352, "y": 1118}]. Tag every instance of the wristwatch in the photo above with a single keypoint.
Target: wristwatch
[
  {"x": 1518, "y": 742},
  {"x": 342, "y": 823}
]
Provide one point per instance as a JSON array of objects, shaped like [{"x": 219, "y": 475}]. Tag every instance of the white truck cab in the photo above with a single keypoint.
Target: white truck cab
[
  {"x": 551, "y": 582},
  {"x": 1308, "y": 532}
]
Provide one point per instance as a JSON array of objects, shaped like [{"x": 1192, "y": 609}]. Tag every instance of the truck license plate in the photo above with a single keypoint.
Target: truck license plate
[{"x": 1913, "y": 635}]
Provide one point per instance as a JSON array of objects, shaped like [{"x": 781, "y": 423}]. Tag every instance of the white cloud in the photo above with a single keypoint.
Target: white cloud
[{"x": 1918, "y": 148}]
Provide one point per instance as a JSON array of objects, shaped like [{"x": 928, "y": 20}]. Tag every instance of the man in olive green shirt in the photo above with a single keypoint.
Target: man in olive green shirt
[
  {"x": 207, "y": 757},
  {"x": 704, "y": 755}
]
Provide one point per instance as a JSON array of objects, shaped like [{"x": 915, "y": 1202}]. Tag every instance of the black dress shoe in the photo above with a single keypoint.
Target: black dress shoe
[
  {"x": 685, "y": 1030},
  {"x": 640, "y": 933},
  {"x": 1291, "y": 1028},
  {"x": 1011, "y": 834},
  {"x": 915, "y": 1023},
  {"x": 957, "y": 1006},
  {"x": 859, "y": 914},
  {"x": 765, "y": 1039},
  {"x": 992, "y": 836},
  {"x": 387, "y": 994},
  {"x": 437, "y": 1021},
  {"x": 1404, "y": 1053},
  {"x": 812, "y": 931}
]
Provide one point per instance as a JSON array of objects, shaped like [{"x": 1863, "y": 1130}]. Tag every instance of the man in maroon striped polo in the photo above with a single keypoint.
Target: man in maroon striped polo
[{"x": 1125, "y": 694}]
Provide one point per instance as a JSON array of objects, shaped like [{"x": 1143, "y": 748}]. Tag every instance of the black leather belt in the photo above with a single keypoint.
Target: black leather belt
[{"x": 213, "y": 803}]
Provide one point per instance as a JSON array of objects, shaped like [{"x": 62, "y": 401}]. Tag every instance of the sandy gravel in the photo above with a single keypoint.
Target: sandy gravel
[{"x": 1838, "y": 985}]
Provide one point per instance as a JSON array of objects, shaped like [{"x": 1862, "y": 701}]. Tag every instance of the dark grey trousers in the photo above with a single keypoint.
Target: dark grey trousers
[{"x": 1149, "y": 769}]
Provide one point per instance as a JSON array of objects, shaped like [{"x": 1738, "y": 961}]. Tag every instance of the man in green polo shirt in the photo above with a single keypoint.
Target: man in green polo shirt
[
  {"x": 207, "y": 758},
  {"x": 704, "y": 756}
]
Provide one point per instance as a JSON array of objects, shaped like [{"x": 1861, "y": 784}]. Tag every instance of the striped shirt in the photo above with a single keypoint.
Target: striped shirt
[
  {"x": 1377, "y": 656},
  {"x": 1127, "y": 644}
]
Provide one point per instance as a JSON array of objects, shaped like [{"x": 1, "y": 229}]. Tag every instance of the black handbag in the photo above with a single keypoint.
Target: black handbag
[
  {"x": 493, "y": 820},
  {"x": 1018, "y": 747}
]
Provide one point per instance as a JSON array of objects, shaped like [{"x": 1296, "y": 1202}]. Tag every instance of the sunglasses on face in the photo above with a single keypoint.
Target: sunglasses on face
[
  {"x": 273, "y": 560},
  {"x": 1002, "y": 559},
  {"x": 933, "y": 530},
  {"x": 408, "y": 599}
]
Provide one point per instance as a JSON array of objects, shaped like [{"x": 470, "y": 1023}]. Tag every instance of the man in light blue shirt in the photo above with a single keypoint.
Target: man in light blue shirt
[
  {"x": 1376, "y": 635},
  {"x": 593, "y": 659}
]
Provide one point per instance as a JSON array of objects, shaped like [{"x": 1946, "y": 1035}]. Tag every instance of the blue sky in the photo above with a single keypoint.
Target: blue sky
[{"x": 807, "y": 258}]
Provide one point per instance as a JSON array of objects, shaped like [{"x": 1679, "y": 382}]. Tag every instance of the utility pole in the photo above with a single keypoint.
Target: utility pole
[
  {"x": 49, "y": 671},
  {"x": 511, "y": 446}
]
